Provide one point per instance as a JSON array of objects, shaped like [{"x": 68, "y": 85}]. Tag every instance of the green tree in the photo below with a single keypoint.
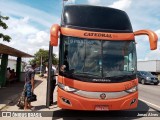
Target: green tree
[
  {"x": 44, "y": 54},
  {"x": 4, "y": 26}
]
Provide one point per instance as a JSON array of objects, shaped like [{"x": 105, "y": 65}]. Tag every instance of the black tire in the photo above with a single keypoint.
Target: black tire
[
  {"x": 156, "y": 83},
  {"x": 143, "y": 82}
]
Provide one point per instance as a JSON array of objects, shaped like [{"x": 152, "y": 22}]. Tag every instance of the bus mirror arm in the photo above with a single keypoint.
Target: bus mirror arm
[
  {"x": 153, "y": 38},
  {"x": 54, "y": 34}
]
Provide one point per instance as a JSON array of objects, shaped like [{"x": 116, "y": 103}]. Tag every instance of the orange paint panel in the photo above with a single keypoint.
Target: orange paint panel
[
  {"x": 81, "y": 103},
  {"x": 96, "y": 35},
  {"x": 153, "y": 38},
  {"x": 97, "y": 87},
  {"x": 54, "y": 34}
]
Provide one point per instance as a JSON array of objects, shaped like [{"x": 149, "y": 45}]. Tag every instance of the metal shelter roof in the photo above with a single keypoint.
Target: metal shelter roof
[{"x": 4, "y": 49}]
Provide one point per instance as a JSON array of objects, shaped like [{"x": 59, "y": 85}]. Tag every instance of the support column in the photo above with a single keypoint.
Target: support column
[
  {"x": 3, "y": 71},
  {"x": 18, "y": 68},
  {"x": 48, "y": 95}
]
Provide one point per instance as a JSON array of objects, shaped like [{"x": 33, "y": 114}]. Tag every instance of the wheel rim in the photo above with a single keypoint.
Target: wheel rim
[{"x": 142, "y": 81}]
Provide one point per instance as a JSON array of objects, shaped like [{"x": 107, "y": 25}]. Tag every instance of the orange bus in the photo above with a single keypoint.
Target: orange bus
[{"x": 97, "y": 58}]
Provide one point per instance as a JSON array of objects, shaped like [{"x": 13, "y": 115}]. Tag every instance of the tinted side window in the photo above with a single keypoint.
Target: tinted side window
[{"x": 138, "y": 73}]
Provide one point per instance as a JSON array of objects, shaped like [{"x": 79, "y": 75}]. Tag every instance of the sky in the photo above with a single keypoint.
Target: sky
[{"x": 30, "y": 22}]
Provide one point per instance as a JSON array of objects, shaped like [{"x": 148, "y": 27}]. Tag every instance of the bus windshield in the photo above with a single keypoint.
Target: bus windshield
[{"x": 98, "y": 58}]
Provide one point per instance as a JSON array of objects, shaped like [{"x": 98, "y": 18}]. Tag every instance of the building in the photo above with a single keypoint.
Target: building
[
  {"x": 5, "y": 52},
  {"x": 150, "y": 66},
  {"x": 12, "y": 64}
]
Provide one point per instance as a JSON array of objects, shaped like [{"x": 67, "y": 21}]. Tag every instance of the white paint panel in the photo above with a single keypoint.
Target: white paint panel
[
  {"x": 151, "y": 66},
  {"x": 158, "y": 65}
]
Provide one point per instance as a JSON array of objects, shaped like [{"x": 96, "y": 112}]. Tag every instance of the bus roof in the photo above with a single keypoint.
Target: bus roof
[{"x": 96, "y": 18}]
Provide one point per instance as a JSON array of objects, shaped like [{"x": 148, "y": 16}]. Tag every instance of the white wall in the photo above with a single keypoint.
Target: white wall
[
  {"x": 151, "y": 66},
  {"x": 12, "y": 64}
]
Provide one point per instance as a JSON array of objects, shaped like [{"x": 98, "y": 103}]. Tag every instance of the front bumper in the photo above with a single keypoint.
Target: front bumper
[
  {"x": 151, "y": 81},
  {"x": 82, "y": 103}
]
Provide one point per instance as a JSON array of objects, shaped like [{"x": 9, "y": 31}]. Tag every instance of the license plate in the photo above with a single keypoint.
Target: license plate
[
  {"x": 101, "y": 107},
  {"x": 154, "y": 80}
]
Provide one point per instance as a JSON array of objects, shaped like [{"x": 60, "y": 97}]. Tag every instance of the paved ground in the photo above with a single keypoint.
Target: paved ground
[
  {"x": 150, "y": 94},
  {"x": 12, "y": 91},
  {"x": 56, "y": 113},
  {"x": 40, "y": 91}
]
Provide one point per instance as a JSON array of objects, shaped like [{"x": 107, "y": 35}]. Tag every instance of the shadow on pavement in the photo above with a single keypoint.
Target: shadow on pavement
[
  {"x": 37, "y": 108},
  {"x": 10, "y": 94},
  {"x": 151, "y": 84},
  {"x": 142, "y": 108}
]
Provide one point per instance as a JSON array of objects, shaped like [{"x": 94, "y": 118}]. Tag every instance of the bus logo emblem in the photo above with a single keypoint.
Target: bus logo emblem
[{"x": 103, "y": 96}]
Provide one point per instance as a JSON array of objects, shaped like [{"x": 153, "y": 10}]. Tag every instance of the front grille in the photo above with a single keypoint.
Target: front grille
[
  {"x": 154, "y": 78},
  {"x": 96, "y": 95}
]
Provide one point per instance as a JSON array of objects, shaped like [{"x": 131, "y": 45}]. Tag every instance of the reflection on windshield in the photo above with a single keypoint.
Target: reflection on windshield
[
  {"x": 98, "y": 57},
  {"x": 118, "y": 58}
]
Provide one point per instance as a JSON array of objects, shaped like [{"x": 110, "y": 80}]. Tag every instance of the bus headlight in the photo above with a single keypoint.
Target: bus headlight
[
  {"x": 67, "y": 88},
  {"x": 132, "y": 90}
]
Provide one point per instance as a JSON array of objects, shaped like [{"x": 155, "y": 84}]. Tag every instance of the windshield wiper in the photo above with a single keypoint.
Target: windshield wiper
[
  {"x": 119, "y": 76},
  {"x": 85, "y": 73}
]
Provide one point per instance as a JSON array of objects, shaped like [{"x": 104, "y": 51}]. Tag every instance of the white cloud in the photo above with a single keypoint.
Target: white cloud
[
  {"x": 94, "y": 2},
  {"x": 143, "y": 49},
  {"x": 40, "y": 38},
  {"x": 71, "y": 1},
  {"x": 20, "y": 26},
  {"x": 153, "y": 55},
  {"x": 25, "y": 37},
  {"x": 25, "y": 28},
  {"x": 22, "y": 10},
  {"x": 144, "y": 52},
  {"x": 121, "y": 4},
  {"x": 158, "y": 33}
]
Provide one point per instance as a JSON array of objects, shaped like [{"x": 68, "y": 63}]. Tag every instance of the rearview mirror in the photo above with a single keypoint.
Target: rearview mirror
[
  {"x": 153, "y": 38},
  {"x": 54, "y": 34}
]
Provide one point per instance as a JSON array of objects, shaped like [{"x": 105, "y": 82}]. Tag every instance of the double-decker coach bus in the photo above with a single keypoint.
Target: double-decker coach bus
[{"x": 97, "y": 58}]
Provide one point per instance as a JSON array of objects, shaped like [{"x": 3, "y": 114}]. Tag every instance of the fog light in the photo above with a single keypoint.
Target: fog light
[
  {"x": 66, "y": 101},
  {"x": 133, "y": 101}
]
